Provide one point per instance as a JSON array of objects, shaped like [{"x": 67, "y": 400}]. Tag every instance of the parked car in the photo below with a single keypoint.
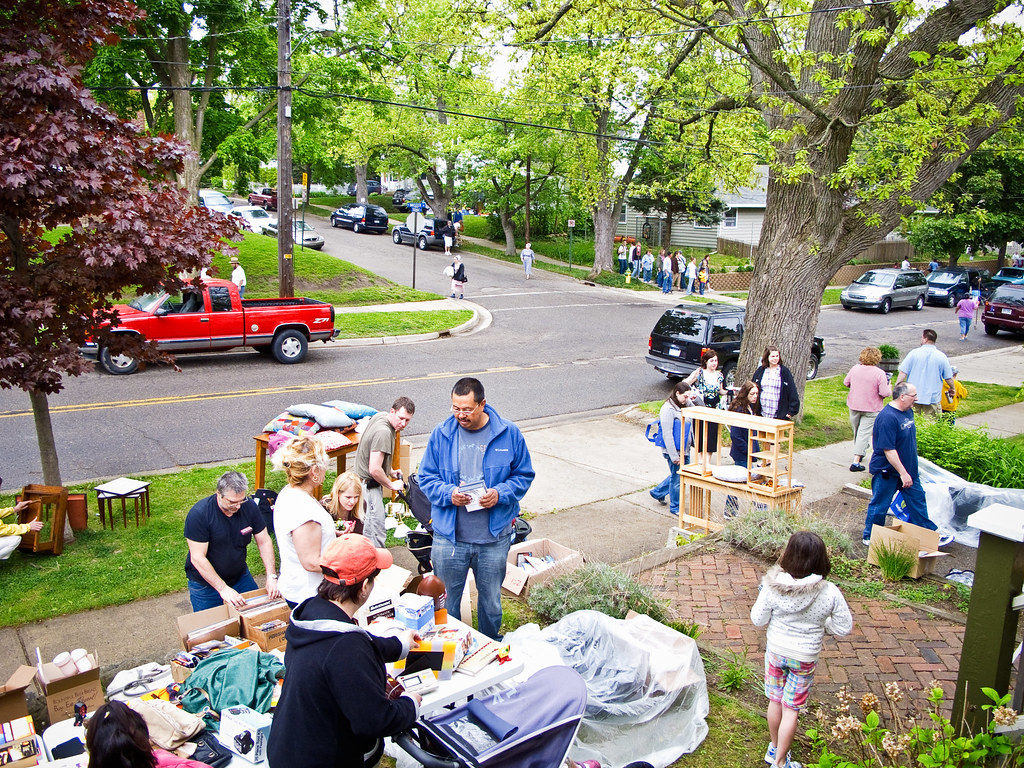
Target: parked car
[
  {"x": 425, "y": 237},
  {"x": 414, "y": 199},
  {"x": 950, "y": 284},
  {"x": 265, "y": 198},
  {"x": 1012, "y": 275},
  {"x": 216, "y": 318},
  {"x": 883, "y": 289},
  {"x": 1004, "y": 310},
  {"x": 398, "y": 198},
  {"x": 215, "y": 201},
  {"x": 361, "y": 217},
  {"x": 372, "y": 187},
  {"x": 683, "y": 333},
  {"x": 303, "y": 234},
  {"x": 251, "y": 218}
]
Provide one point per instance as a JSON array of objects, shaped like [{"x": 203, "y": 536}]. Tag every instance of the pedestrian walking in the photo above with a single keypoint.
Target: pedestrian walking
[
  {"x": 458, "y": 278},
  {"x": 964, "y": 312},
  {"x": 672, "y": 430},
  {"x": 869, "y": 386},
  {"x": 527, "y": 258},
  {"x": 924, "y": 367},
  {"x": 799, "y": 605}
]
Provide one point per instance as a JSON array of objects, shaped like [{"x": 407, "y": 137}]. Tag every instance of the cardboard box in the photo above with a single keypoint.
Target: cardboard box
[
  {"x": 259, "y": 611},
  {"x": 21, "y": 753},
  {"x": 245, "y": 732},
  {"x": 211, "y": 624},
  {"x": 12, "y": 693},
  {"x": 405, "y": 458},
  {"x": 921, "y": 541},
  {"x": 62, "y": 691},
  {"x": 269, "y": 635},
  {"x": 518, "y": 581},
  {"x": 441, "y": 650},
  {"x": 387, "y": 586},
  {"x": 415, "y": 611}
]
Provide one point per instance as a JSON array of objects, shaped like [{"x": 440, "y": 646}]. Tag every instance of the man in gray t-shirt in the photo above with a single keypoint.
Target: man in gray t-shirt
[{"x": 373, "y": 464}]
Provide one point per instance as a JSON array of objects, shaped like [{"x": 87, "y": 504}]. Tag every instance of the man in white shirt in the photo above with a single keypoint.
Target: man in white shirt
[{"x": 238, "y": 276}]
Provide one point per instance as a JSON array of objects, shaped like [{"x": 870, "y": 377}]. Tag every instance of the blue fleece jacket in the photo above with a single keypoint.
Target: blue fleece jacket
[{"x": 507, "y": 469}]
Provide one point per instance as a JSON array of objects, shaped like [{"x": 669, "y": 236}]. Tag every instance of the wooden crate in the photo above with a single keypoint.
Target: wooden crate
[{"x": 49, "y": 504}]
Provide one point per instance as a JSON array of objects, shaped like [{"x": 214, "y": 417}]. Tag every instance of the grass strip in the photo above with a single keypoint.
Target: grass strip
[{"x": 356, "y": 325}]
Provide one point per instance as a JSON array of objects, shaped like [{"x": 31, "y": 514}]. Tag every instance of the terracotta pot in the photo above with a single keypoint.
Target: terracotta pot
[{"x": 78, "y": 511}]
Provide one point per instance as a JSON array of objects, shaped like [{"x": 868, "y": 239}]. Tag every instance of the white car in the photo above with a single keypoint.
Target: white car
[
  {"x": 252, "y": 218},
  {"x": 303, "y": 235},
  {"x": 215, "y": 201}
]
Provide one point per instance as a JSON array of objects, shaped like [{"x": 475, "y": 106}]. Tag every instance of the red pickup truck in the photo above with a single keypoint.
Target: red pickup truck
[
  {"x": 216, "y": 318},
  {"x": 265, "y": 198}
]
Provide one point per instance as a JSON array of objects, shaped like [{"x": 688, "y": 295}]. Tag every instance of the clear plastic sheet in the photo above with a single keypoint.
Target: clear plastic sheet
[
  {"x": 951, "y": 499},
  {"x": 647, "y": 693}
]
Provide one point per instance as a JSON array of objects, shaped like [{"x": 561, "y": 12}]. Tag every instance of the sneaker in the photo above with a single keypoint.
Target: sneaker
[
  {"x": 769, "y": 756},
  {"x": 660, "y": 501},
  {"x": 791, "y": 763},
  {"x": 946, "y": 537},
  {"x": 855, "y": 467},
  {"x": 866, "y": 542}
]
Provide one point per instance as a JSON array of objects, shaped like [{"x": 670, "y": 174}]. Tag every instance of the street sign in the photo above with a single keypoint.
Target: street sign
[
  {"x": 572, "y": 223},
  {"x": 305, "y": 179}
]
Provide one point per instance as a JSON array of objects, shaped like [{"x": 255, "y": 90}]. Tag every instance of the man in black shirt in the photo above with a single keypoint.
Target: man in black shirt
[{"x": 218, "y": 530}]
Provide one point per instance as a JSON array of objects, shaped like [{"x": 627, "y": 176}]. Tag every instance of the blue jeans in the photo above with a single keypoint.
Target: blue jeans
[
  {"x": 965, "y": 325},
  {"x": 452, "y": 562},
  {"x": 701, "y": 283},
  {"x": 669, "y": 487},
  {"x": 636, "y": 269},
  {"x": 689, "y": 284},
  {"x": 241, "y": 292},
  {"x": 204, "y": 596},
  {"x": 622, "y": 266},
  {"x": 882, "y": 491},
  {"x": 647, "y": 274}
]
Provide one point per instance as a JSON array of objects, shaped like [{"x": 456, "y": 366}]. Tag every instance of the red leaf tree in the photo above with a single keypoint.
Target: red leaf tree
[{"x": 65, "y": 161}]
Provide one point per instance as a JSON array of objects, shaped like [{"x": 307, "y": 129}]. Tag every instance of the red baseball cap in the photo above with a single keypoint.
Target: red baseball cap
[{"x": 353, "y": 557}]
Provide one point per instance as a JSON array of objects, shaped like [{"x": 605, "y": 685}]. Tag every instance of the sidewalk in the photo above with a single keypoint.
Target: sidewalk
[{"x": 591, "y": 493}]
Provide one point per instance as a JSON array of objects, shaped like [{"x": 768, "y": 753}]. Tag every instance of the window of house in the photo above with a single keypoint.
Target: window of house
[
  {"x": 622, "y": 214},
  {"x": 729, "y": 220}
]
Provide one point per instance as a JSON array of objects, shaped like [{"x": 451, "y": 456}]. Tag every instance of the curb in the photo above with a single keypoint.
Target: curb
[{"x": 480, "y": 320}]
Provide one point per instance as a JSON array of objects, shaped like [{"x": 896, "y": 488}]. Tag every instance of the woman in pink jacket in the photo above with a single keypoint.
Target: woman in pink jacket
[
  {"x": 117, "y": 737},
  {"x": 869, "y": 386}
]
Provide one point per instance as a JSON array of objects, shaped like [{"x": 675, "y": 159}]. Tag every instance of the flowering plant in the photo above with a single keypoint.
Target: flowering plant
[{"x": 895, "y": 735}]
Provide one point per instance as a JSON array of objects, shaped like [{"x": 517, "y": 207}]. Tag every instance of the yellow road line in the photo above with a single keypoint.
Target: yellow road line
[{"x": 180, "y": 399}]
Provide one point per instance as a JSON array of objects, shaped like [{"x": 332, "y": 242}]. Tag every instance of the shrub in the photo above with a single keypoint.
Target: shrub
[
  {"x": 766, "y": 531},
  {"x": 971, "y": 454},
  {"x": 895, "y": 561},
  {"x": 736, "y": 672},
  {"x": 889, "y": 352},
  {"x": 595, "y": 587}
]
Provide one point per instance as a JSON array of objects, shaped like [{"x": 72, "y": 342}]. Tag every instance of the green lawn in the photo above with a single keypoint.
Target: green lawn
[
  {"x": 317, "y": 276},
  {"x": 831, "y": 295},
  {"x": 826, "y": 418},
  {"x": 353, "y": 325}
]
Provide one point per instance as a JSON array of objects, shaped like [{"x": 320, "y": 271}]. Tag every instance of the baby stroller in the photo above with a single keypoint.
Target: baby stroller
[
  {"x": 531, "y": 725},
  {"x": 420, "y": 542}
]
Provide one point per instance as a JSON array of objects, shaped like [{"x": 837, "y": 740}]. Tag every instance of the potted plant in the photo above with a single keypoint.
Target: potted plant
[{"x": 890, "y": 361}]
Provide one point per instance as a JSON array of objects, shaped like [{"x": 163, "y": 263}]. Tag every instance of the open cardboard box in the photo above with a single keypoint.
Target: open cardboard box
[
  {"x": 923, "y": 542},
  {"x": 518, "y": 582},
  {"x": 63, "y": 690},
  {"x": 260, "y": 610},
  {"x": 13, "y": 704},
  {"x": 211, "y": 624}
]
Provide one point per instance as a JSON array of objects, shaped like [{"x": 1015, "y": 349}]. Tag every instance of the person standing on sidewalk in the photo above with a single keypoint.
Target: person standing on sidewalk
[
  {"x": 475, "y": 470},
  {"x": 799, "y": 605},
  {"x": 691, "y": 275},
  {"x": 373, "y": 464},
  {"x": 218, "y": 530},
  {"x": 622, "y": 258},
  {"x": 869, "y": 386},
  {"x": 926, "y": 368},
  {"x": 893, "y": 463},
  {"x": 458, "y": 277},
  {"x": 677, "y": 269},
  {"x": 672, "y": 432},
  {"x": 647, "y": 264},
  {"x": 666, "y": 274},
  {"x": 527, "y": 258}
]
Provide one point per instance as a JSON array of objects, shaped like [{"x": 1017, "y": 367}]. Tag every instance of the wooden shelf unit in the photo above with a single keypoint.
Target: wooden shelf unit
[{"x": 769, "y": 483}]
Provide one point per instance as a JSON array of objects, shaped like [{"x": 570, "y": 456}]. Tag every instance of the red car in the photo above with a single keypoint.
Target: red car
[
  {"x": 1004, "y": 310},
  {"x": 216, "y": 318}
]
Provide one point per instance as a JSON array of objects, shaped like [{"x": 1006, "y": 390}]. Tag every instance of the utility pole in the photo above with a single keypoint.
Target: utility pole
[{"x": 285, "y": 231}]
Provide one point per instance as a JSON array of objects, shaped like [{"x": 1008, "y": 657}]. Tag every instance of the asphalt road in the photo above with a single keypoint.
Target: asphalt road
[{"x": 555, "y": 347}]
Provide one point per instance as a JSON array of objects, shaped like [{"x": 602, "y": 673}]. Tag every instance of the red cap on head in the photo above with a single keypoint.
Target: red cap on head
[{"x": 353, "y": 557}]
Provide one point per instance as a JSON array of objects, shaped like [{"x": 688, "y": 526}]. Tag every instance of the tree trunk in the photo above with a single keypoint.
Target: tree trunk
[
  {"x": 509, "y": 228},
  {"x": 184, "y": 120},
  {"x": 361, "y": 194},
  {"x": 44, "y": 436},
  {"x": 526, "y": 225},
  {"x": 604, "y": 236},
  {"x": 666, "y": 231},
  {"x": 1002, "y": 255}
]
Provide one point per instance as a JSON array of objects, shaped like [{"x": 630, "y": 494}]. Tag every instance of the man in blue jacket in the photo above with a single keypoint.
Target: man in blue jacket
[{"x": 475, "y": 470}]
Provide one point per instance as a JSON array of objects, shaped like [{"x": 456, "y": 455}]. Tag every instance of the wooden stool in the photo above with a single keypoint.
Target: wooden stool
[{"x": 124, "y": 489}]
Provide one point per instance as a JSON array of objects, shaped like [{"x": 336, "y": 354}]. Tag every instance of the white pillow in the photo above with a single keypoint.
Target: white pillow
[{"x": 730, "y": 473}]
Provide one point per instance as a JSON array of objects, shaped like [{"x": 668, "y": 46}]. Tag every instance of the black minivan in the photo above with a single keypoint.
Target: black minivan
[
  {"x": 950, "y": 284},
  {"x": 683, "y": 333}
]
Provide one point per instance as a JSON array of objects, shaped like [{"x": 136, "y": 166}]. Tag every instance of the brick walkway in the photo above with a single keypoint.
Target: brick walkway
[{"x": 888, "y": 642}]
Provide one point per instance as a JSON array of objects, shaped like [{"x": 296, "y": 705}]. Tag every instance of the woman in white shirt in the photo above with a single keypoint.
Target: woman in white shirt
[{"x": 302, "y": 525}]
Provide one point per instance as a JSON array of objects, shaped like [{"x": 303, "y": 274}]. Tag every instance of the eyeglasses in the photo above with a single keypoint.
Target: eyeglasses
[
  {"x": 233, "y": 502},
  {"x": 464, "y": 411}
]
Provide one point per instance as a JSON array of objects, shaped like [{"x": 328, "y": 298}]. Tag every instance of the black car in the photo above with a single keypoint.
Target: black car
[
  {"x": 361, "y": 218},
  {"x": 412, "y": 198},
  {"x": 398, "y": 198},
  {"x": 428, "y": 235},
  {"x": 950, "y": 284},
  {"x": 684, "y": 332},
  {"x": 372, "y": 187}
]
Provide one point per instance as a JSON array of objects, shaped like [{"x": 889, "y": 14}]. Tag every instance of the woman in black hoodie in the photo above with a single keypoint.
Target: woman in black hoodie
[{"x": 334, "y": 709}]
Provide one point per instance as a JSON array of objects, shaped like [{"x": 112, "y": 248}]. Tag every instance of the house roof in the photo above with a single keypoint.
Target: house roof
[{"x": 749, "y": 197}]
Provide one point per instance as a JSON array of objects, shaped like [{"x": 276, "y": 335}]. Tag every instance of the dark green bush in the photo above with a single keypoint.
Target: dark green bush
[
  {"x": 971, "y": 454},
  {"x": 595, "y": 587}
]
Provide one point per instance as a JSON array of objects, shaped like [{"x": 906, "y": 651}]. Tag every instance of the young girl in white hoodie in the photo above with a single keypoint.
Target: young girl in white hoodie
[{"x": 799, "y": 605}]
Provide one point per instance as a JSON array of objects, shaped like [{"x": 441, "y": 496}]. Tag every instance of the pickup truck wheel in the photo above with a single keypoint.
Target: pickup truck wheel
[
  {"x": 396, "y": 237},
  {"x": 991, "y": 330},
  {"x": 290, "y": 347},
  {"x": 421, "y": 243},
  {"x": 812, "y": 367},
  {"x": 729, "y": 375},
  {"x": 117, "y": 364}
]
